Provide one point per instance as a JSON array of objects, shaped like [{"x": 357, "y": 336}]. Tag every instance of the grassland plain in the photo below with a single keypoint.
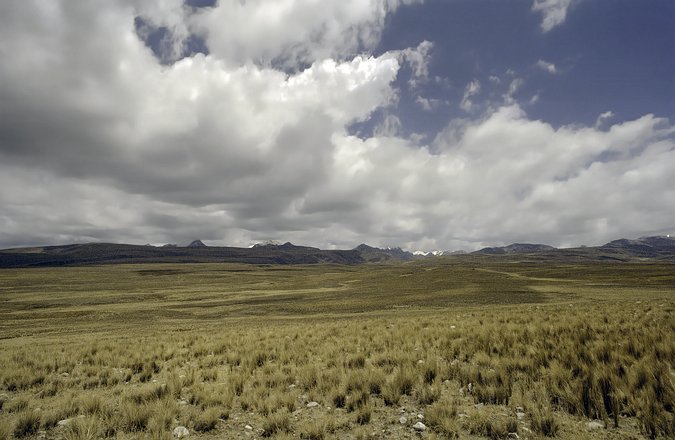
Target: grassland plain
[{"x": 472, "y": 348}]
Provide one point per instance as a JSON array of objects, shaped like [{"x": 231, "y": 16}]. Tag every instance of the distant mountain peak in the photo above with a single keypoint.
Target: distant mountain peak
[
  {"x": 197, "y": 244},
  {"x": 516, "y": 248},
  {"x": 375, "y": 254}
]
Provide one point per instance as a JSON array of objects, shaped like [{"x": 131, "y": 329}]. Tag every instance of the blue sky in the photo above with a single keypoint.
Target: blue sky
[
  {"x": 610, "y": 55},
  {"x": 425, "y": 124}
]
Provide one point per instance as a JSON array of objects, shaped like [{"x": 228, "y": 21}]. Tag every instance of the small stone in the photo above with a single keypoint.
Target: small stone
[
  {"x": 595, "y": 424},
  {"x": 462, "y": 415},
  {"x": 513, "y": 435},
  {"x": 312, "y": 404},
  {"x": 62, "y": 423},
  {"x": 291, "y": 386},
  {"x": 180, "y": 432},
  {"x": 420, "y": 362},
  {"x": 403, "y": 420},
  {"x": 453, "y": 326},
  {"x": 520, "y": 415},
  {"x": 248, "y": 428},
  {"x": 419, "y": 427},
  {"x": 420, "y": 416},
  {"x": 479, "y": 405}
]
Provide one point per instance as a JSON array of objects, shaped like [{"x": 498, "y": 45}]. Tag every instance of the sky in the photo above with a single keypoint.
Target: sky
[{"x": 424, "y": 124}]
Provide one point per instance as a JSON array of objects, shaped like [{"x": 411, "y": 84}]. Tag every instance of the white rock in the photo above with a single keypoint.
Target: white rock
[
  {"x": 595, "y": 424},
  {"x": 420, "y": 416},
  {"x": 180, "y": 432},
  {"x": 419, "y": 426},
  {"x": 520, "y": 415},
  {"x": 248, "y": 428},
  {"x": 403, "y": 420},
  {"x": 420, "y": 362},
  {"x": 513, "y": 435},
  {"x": 63, "y": 422},
  {"x": 312, "y": 404}
]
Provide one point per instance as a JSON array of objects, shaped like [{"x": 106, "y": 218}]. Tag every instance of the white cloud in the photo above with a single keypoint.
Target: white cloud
[
  {"x": 389, "y": 127},
  {"x": 418, "y": 59},
  {"x": 288, "y": 31},
  {"x": 427, "y": 104},
  {"x": 604, "y": 117},
  {"x": 111, "y": 145},
  {"x": 514, "y": 86},
  {"x": 547, "y": 67},
  {"x": 472, "y": 89},
  {"x": 554, "y": 12}
]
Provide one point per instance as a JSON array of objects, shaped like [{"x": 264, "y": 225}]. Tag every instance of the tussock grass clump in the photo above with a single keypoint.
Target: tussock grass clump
[
  {"x": 17, "y": 405},
  {"x": 364, "y": 414},
  {"x": 357, "y": 400},
  {"x": 148, "y": 393},
  {"x": 441, "y": 417},
  {"x": 404, "y": 381},
  {"x": 134, "y": 417},
  {"x": 91, "y": 404},
  {"x": 207, "y": 420},
  {"x": 5, "y": 430},
  {"x": 318, "y": 429},
  {"x": 542, "y": 418},
  {"x": 426, "y": 395},
  {"x": 85, "y": 428},
  {"x": 356, "y": 361},
  {"x": 476, "y": 422},
  {"x": 27, "y": 424},
  {"x": 339, "y": 399},
  {"x": 276, "y": 423}
]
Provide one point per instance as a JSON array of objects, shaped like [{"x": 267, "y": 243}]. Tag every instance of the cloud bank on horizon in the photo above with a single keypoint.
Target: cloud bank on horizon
[{"x": 242, "y": 121}]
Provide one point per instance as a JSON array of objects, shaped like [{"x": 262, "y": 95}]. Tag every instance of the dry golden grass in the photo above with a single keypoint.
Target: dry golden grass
[{"x": 133, "y": 352}]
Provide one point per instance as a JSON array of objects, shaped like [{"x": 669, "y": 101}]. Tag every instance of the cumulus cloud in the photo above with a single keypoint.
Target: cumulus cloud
[
  {"x": 554, "y": 12},
  {"x": 472, "y": 89},
  {"x": 291, "y": 31},
  {"x": 427, "y": 104},
  {"x": 547, "y": 67},
  {"x": 418, "y": 58},
  {"x": 604, "y": 117},
  {"x": 101, "y": 141}
]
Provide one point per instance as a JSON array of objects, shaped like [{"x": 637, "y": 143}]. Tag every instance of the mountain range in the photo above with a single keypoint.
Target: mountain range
[{"x": 622, "y": 250}]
